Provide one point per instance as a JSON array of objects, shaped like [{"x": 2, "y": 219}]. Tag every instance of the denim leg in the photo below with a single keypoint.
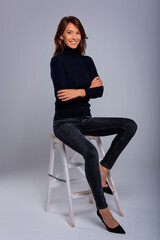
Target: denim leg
[
  {"x": 72, "y": 136},
  {"x": 124, "y": 129}
]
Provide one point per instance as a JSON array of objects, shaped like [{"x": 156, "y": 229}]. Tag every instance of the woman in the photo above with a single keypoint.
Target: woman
[{"x": 75, "y": 81}]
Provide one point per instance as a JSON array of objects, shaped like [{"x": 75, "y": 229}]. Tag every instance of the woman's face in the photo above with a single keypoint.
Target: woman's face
[{"x": 71, "y": 36}]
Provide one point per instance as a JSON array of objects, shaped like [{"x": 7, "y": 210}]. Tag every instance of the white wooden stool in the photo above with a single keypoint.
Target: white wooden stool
[{"x": 56, "y": 180}]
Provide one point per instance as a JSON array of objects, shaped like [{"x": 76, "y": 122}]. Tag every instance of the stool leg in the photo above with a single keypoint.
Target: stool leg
[
  {"x": 115, "y": 195},
  {"x": 50, "y": 171},
  {"x": 91, "y": 200},
  {"x": 68, "y": 187}
]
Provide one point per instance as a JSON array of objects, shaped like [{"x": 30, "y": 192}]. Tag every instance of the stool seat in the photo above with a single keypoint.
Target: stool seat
[{"x": 62, "y": 177}]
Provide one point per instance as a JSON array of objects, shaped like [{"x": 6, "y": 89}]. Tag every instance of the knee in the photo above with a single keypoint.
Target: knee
[
  {"x": 132, "y": 126},
  {"x": 91, "y": 153}
]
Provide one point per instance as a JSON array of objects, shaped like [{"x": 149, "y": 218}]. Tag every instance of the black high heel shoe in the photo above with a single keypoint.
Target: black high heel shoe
[
  {"x": 107, "y": 189},
  {"x": 117, "y": 229}
]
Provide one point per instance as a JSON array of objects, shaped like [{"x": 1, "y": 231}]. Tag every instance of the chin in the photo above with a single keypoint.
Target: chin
[{"x": 73, "y": 46}]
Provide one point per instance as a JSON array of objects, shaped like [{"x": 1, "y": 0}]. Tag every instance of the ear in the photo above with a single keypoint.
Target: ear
[{"x": 61, "y": 37}]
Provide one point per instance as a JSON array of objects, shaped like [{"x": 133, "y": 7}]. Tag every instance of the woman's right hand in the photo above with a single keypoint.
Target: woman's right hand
[{"x": 96, "y": 82}]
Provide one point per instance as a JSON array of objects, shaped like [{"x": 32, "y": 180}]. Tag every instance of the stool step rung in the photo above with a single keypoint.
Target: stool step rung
[
  {"x": 77, "y": 180},
  {"x": 75, "y": 164},
  {"x": 56, "y": 183},
  {"x": 81, "y": 194}
]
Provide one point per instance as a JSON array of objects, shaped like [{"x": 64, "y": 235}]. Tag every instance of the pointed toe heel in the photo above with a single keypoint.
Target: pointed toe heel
[
  {"x": 117, "y": 229},
  {"x": 107, "y": 189}
]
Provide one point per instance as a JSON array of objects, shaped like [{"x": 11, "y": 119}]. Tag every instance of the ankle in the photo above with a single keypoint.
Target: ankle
[
  {"x": 104, "y": 174},
  {"x": 103, "y": 170},
  {"x": 104, "y": 211}
]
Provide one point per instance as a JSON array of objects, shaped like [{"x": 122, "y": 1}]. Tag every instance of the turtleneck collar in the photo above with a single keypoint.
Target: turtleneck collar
[{"x": 70, "y": 51}]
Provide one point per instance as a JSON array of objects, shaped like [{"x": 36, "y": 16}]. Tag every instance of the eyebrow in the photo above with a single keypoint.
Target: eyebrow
[{"x": 72, "y": 30}]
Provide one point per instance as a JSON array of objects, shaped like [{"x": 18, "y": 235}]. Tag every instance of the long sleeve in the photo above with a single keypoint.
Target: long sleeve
[
  {"x": 97, "y": 91},
  {"x": 94, "y": 92},
  {"x": 57, "y": 74},
  {"x": 70, "y": 70}
]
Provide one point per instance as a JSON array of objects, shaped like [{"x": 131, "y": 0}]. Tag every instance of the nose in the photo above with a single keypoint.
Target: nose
[{"x": 74, "y": 36}]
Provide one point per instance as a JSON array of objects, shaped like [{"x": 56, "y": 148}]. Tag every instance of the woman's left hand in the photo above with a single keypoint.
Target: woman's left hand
[{"x": 68, "y": 94}]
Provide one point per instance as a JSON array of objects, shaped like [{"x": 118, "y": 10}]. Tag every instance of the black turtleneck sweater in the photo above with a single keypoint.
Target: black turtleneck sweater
[{"x": 69, "y": 70}]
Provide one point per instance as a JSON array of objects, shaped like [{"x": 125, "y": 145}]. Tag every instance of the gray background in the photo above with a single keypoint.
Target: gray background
[{"x": 124, "y": 44}]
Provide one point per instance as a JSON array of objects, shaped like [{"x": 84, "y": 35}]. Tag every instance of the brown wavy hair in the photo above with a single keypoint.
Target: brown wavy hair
[{"x": 59, "y": 44}]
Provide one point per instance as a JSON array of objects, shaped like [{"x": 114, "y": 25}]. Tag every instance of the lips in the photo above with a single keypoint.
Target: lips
[{"x": 73, "y": 42}]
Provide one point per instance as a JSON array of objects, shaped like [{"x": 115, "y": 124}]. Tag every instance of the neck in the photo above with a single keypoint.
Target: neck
[{"x": 70, "y": 51}]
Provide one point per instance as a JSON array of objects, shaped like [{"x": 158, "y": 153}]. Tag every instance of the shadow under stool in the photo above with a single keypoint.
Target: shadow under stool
[{"x": 67, "y": 163}]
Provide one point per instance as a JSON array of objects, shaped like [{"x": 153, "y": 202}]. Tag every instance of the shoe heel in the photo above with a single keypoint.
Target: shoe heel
[{"x": 117, "y": 229}]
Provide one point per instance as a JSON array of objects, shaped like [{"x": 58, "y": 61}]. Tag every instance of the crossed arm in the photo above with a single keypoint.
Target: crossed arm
[{"x": 68, "y": 94}]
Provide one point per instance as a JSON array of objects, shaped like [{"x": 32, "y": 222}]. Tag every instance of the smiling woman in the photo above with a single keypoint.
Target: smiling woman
[
  {"x": 76, "y": 81},
  {"x": 71, "y": 31},
  {"x": 71, "y": 36}
]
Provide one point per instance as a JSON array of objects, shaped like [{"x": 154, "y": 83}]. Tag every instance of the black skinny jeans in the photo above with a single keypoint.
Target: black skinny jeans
[{"x": 71, "y": 131}]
